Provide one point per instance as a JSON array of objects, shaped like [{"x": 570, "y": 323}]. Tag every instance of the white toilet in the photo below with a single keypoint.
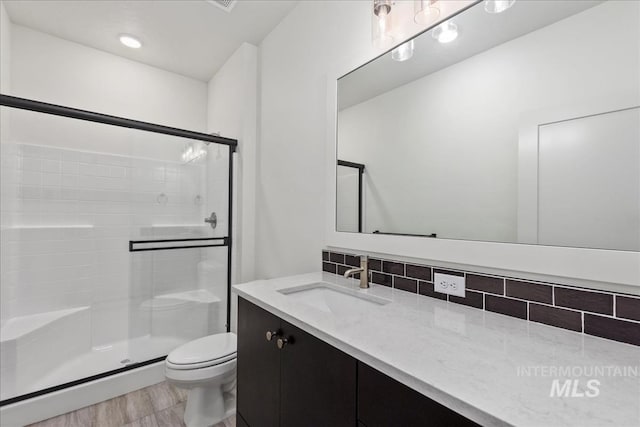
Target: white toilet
[{"x": 207, "y": 368}]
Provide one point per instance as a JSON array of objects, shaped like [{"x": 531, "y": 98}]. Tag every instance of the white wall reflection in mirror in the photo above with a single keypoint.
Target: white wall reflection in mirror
[{"x": 524, "y": 129}]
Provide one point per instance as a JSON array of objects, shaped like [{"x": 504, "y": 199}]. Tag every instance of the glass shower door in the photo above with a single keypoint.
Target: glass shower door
[{"x": 107, "y": 262}]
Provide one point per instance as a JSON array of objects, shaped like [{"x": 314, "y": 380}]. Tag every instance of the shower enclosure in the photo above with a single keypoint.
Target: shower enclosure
[{"x": 115, "y": 244}]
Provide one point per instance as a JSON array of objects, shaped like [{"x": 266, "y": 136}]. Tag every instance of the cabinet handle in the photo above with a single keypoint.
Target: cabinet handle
[
  {"x": 271, "y": 335},
  {"x": 282, "y": 342}
]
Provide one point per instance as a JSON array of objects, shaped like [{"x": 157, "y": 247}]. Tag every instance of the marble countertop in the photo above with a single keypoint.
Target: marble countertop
[{"x": 496, "y": 370}]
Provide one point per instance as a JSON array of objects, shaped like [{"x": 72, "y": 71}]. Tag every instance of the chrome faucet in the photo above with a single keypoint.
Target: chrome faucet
[{"x": 363, "y": 270}]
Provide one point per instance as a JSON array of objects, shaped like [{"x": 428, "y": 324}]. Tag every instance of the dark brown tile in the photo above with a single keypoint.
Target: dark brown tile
[
  {"x": 341, "y": 269},
  {"x": 404, "y": 284},
  {"x": 628, "y": 308},
  {"x": 329, "y": 267},
  {"x": 506, "y": 306},
  {"x": 472, "y": 299},
  {"x": 449, "y": 272},
  {"x": 559, "y": 317},
  {"x": 393, "y": 267},
  {"x": 381, "y": 278},
  {"x": 613, "y": 329},
  {"x": 595, "y": 302},
  {"x": 325, "y": 255},
  {"x": 418, "y": 272},
  {"x": 530, "y": 291},
  {"x": 336, "y": 257},
  {"x": 352, "y": 260},
  {"x": 493, "y": 285},
  {"x": 375, "y": 264},
  {"x": 426, "y": 289}
]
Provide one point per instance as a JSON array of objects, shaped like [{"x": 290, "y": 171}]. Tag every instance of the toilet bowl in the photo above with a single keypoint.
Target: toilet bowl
[{"x": 205, "y": 367}]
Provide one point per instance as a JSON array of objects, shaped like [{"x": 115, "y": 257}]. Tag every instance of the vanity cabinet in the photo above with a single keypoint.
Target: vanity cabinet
[
  {"x": 303, "y": 381},
  {"x": 384, "y": 402},
  {"x": 299, "y": 381}
]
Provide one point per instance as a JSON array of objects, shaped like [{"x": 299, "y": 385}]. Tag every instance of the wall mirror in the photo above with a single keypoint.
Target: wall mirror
[{"x": 517, "y": 127}]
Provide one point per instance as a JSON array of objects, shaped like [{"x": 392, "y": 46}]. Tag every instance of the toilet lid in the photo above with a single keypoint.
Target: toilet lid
[{"x": 209, "y": 350}]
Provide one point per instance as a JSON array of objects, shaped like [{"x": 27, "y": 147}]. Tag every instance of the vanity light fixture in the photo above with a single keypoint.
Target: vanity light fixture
[
  {"x": 445, "y": 32},
  {"x": 403, "y": 52},
  {"x": 381, "y": 26},
  {"x": 426, "y": 11},
  {"x": 130, "y": 41},
  {"x": 497, "y": 6}
]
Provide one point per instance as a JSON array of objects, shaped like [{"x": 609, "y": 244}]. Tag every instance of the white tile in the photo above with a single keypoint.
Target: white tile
[
  {"x": 31, "y": 164},
  {"x": 29, "y": 192},
  {"x": 51, "y": 179},
  {"x": 30, "y": 177},
  {"x": 70, "y": 167},
  {"x": 51, "y": 166}
]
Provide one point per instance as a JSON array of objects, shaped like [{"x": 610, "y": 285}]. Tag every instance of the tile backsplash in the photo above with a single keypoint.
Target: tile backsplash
[{"x": 604, "y": 314}]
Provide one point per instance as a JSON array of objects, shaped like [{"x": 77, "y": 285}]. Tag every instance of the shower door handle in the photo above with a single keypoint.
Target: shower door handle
[{"x": 212, "y": 220}]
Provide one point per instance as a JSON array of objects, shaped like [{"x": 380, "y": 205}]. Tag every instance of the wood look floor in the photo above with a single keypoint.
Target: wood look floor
[{"x": 159, "y": 405}]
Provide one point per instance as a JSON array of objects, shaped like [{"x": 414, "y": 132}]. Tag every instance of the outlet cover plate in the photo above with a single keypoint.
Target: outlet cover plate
[{"x": 449, "y": 284}]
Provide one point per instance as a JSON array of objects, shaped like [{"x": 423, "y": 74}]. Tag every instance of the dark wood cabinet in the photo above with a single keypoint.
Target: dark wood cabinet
[
  {"x": 305, "y": 383},
  {"x": 385, "y": 402},
  {"x": 310, "y": 383},
  {"x": 258, "y": 378}
]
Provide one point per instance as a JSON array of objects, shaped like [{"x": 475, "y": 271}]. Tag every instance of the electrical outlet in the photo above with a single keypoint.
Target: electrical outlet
[{"x": 449, "y": 284}]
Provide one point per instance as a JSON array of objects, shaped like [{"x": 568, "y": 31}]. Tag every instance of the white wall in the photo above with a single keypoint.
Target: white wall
[
  {"x": 426, "y": 173},
  {"x": 6, "y": 192},
  {"x": 5, "y": 50},
  {"x": 295, "y": 59},
  {"x": 232, "y": 111},
  {"x": 51, "y": 69}
]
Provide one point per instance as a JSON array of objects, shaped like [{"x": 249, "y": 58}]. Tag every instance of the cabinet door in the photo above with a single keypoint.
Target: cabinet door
[
  {"x": 258, "y": 366},
  {"x": 384, "y": 402},
  {"x": 318, "y": 382}
]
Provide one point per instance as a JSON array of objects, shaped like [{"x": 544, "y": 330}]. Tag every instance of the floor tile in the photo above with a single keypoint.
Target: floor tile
[
  {"x": 162, "y": 396},
  {"x": 138, "y": 405},
  {"x": 80, "y": 418},
  {"x": 148, "y": 421},
  {"x": 111, "y": 413},
  {"x": 171, "y": 417}
]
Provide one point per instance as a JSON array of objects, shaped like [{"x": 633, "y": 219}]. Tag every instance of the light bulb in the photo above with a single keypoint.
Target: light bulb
[
  {"x": 498, "y": 6},
  {"x": 381, "y": 25},
  {"x": 403, "y": 52},
  {"x": 445, "y": 32},
  {"x": 425, "y": 11},
  {"x": 130, "y": 41}
]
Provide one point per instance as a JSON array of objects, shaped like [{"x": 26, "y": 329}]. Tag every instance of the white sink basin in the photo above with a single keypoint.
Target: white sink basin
[{"x": 331, "y": 298}]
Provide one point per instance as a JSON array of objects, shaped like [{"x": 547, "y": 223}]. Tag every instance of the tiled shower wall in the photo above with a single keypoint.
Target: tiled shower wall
[
  {"x": 604, "y": 314},
  {"x": 67, "y": 216}
]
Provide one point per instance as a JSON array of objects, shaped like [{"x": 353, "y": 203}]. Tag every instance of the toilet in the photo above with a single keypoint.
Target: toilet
[{"x": 206, "y": 367}]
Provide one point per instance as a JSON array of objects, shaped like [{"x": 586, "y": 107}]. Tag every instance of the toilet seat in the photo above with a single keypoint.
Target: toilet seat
[{"x": 204, "y": 352}]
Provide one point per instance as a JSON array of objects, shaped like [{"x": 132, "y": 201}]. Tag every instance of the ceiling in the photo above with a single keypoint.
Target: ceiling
[
  {"x": 189, "y": 37},
  {"x": 478, "y": 31}
]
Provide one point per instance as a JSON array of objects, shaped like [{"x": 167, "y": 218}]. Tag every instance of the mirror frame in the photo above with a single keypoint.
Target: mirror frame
[{"x": 609, "y": 270}]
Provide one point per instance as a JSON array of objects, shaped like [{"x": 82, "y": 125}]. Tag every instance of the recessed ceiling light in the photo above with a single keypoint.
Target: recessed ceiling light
[
  {"x": 130, "y": 41},
  {"x": 445, "y": 32},
  {"x": 403, "y": 52},
  {"x": 498, "y": 6}
]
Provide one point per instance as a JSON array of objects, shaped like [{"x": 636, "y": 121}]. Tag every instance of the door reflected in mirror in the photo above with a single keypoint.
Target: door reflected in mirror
[{"x": 525, "y": 128}]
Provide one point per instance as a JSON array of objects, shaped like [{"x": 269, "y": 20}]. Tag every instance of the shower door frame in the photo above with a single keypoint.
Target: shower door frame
[{"x": 91, "y": 116}]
